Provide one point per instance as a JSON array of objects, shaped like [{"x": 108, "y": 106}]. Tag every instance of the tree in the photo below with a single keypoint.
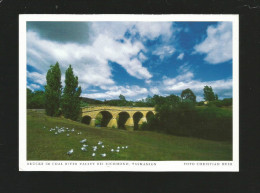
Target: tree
[
  {"x": 29, "y": 94},
  {"x": 209, "y": 94},
  {"x": 158, "y": 100},
  {"x": 216, "y": 97},
  {"x": 70, "y": 97},
  {"x": 188, "y": 96},
  {"x": 53, "y": 90},
  {"x": 173, "y": 99},
  {"x": 122, "y": 97}
]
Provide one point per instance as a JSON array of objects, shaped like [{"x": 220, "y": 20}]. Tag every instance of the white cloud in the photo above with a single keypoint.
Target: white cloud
[
  {"x": 218, "y": 44},
  {"x": 180, "y": 57},
  {"x": 33, "y": 86},
  {"x": 114, "y": 92},
  {"x": 184, "y": 68},
  {"x": 178, "y": 79},
  {"x": 36, "y": 77},
  {"x": 122, "y": 53},
  {"x": 142, "y": 57},
  {"x": 183, "y": 81},
  {"x": 152, "y": 30},
  {"x": 197, "y": 85},
  {"x": 90, "y": 68},
  {"x": 154, "y": 90},
  {"x": 164, "y": 51},
  {"x": 90, "y": 62},
  {"x": 147, "y": 30},
  {"x": 148, "y": 81},
  {"x": 115, "y": 30}
]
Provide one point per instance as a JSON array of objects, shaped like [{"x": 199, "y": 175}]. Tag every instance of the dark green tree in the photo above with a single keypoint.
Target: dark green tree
[
  {"x": 188, "y": 96},
  {"x": 158, "y": 100},
  {"x": 173, "y": 100},
  {"x": 216, "y": 97},
  {"x": 53, "y": 90},
  {"x": 29, "y": 94},
  {"x": 122, "y": 97},
  {"x": 209, "y": 94},
  {"x": 71, "y": 96}
]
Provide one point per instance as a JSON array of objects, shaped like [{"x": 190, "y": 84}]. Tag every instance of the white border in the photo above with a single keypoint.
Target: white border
[{"x": 206, "y": 166}]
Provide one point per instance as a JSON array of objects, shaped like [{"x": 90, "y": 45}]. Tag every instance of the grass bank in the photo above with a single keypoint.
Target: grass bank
[{"x": 43, "y": 144}]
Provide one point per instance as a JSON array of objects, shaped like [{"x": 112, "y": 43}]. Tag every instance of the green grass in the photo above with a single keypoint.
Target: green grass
[
  {"x": 143, "y": 145},
  {"x": 218, "y": 111}
]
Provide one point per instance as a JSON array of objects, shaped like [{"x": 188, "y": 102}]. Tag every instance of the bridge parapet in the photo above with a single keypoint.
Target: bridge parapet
[{"x": 93, "y": 108}]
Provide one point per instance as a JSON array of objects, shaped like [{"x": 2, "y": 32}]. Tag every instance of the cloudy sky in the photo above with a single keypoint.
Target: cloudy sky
[{"x": 135, "y": 59}]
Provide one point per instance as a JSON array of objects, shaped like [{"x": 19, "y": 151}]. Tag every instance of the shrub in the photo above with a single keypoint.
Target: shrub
[
  {"x": 201, "y": 103},
  {"x": 209, "y": 123}
]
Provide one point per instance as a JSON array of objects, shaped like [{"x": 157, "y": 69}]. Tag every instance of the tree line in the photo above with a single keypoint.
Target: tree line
[
  {"x": 182, "y": 116},
  {"x": 187, "y": 95}
]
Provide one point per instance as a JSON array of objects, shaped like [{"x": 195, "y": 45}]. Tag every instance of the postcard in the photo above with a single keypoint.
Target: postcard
[{"x": 150, "y": 93}]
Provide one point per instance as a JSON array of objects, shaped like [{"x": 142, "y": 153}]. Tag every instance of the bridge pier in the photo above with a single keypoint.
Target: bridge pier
[
  {"x": 93, "y": 122},
  {"x": 113, "y": 121},
  {"x": 130, "y": 121},
  {"x": 142, "y": 120}
]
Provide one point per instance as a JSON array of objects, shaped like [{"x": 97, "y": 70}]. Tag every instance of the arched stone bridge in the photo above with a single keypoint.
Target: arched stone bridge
[{"x": 128, "y": 116}]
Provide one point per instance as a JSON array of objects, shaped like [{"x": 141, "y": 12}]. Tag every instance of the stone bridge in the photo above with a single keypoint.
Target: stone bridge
[{"x": 114, "y": 116}]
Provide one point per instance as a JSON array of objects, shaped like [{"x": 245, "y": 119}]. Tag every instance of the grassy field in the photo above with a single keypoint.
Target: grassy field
[
  {"x": 220, "y": 111},
  {"x": 43, "y": 144}
]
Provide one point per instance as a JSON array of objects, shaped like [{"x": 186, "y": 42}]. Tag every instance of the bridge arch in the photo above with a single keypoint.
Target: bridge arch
[
  {"x": 149, "y": 115},
  {"x": 122, "y": 118},
  {"x": 138, "y": 119},
  {"x": 106, "y": 117},
  {"x": 86, "y": 119}
]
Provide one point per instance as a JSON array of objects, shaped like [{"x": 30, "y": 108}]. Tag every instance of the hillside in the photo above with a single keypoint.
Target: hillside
[
  {"x": 90, "y": 101},
  {"x": 43, "y": 144}
]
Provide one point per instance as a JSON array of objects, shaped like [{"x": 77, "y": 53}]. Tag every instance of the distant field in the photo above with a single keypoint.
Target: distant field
[
  {"x": 43, "y": 144},
  {"x": 220, "y": 111}
]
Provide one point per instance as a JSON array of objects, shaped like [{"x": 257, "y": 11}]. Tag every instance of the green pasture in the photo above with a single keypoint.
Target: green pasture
[{"x": 43, "y": 144}]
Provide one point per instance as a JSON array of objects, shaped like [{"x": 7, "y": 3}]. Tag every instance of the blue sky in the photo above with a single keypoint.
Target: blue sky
[{"x": 135, "y": 59}]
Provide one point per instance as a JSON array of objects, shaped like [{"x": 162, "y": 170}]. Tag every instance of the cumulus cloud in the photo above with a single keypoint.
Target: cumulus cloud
[
  {"x": 142, "y": 57},
  {"x": 36, "y": 77},
  {"x": 115, "y": 91},
  {"x": 146, "y": 30},
  {"x": 91, "y": 69},
  {"x": 152, "y": 30},
  {"x": 154, "y": 90},
  {"x": 186, "y": 80},
  {"x": 90, "y": 62},
  {"x": 178, "y": 79},
  {"x": 199, "y": 85},
  {"x": 218, "y": 44},
  {"x": 180, "y": 57},
  {"x": 148, "y": 81},
  {"x": 115, "y": 30},
  {"x": 33, "y": 86},
  {"x": 164, "y": 51},
  {"x": 89, "y": 47}
]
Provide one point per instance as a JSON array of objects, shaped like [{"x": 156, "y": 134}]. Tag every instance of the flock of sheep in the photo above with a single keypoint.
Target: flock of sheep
[{"x": 58, "y": 130}]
